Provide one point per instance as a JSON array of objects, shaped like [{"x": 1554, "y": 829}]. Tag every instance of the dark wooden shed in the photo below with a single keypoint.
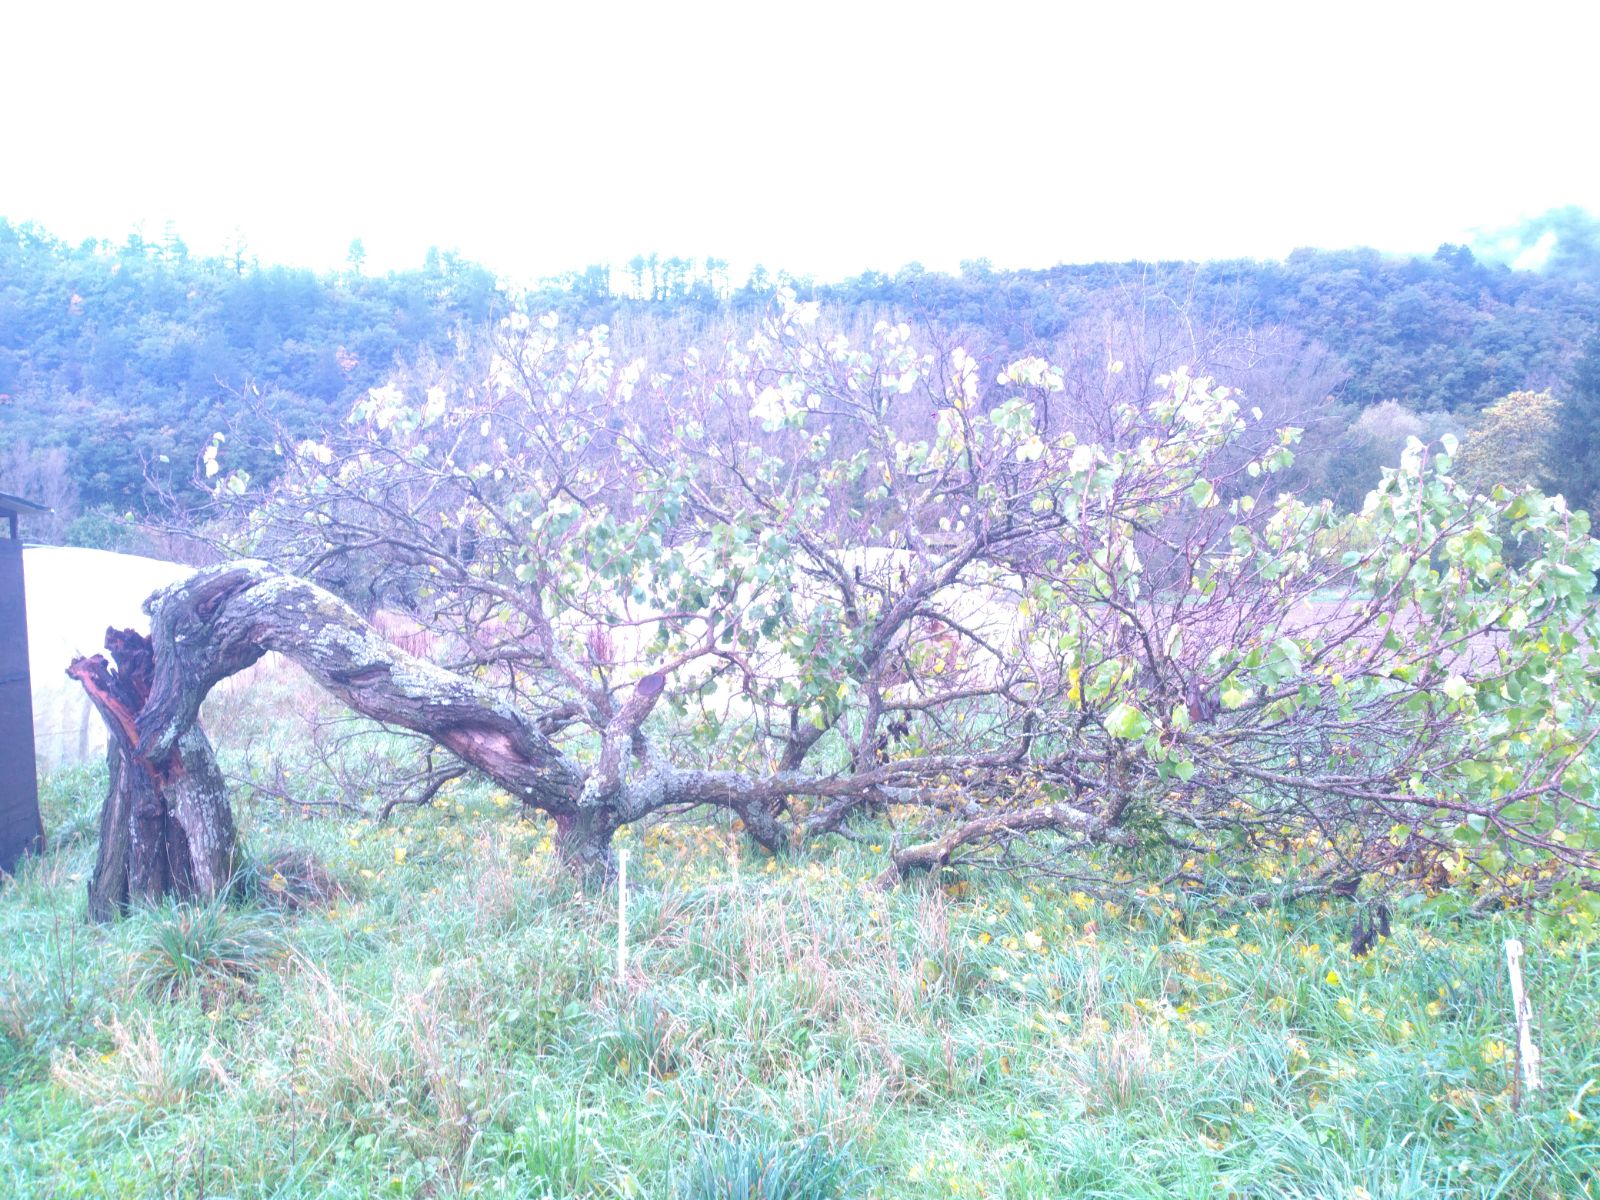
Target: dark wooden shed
[{"x": 20, "y": 827}]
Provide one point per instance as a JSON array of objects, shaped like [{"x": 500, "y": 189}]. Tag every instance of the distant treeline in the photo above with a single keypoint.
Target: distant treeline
[
  {"x": 119, "y": 361},
  {"x": 1444, "y": 333}
]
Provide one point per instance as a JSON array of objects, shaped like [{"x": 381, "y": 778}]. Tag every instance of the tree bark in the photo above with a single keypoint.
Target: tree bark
[
  {"x": 165, "y": 828},
  {"x": 931, "y": 855},
  {"x": 221, "y": 620}
]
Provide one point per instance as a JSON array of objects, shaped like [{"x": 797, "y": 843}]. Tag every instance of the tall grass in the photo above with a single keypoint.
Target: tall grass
[{"x": 448, "y": 1022}]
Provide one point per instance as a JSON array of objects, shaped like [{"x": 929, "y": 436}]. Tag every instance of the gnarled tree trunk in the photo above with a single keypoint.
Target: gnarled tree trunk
[{"x": 166, "y": 829}]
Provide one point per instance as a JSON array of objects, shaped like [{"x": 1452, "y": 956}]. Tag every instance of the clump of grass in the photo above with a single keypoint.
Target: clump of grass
[
  {"x": 142, "y": 1075},
  {"x": 344, "y": 1062},
  {"x": 755, "y": 1167},
  {"x": 53, "y": 998},
  {"x": 201, "y": 948},
  {"x": 552, "y": 1154},
  {"x": 1116, "y": 1066},
  {"x": 646, "y": 1038},
  {"x": 69, "y": 805}
]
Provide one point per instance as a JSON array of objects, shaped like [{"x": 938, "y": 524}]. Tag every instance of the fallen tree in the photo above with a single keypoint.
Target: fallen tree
[{"x": 809, "y": 580}]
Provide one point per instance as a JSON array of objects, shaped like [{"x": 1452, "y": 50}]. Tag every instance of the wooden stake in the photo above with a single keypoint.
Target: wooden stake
[
  {"x": 622, "y": 916},
  {"x": 1527, "y": 1052}
]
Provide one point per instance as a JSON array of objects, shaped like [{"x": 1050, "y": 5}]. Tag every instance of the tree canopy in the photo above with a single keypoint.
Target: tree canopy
[{"x": 1573, "y": 451}]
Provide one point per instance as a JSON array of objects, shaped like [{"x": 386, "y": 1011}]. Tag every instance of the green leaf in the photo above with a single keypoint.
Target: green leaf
[{"x": 1126, "y": 721}]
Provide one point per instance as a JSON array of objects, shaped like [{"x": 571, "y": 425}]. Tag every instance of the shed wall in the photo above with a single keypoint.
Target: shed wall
[{"x": 20, "y": 828}]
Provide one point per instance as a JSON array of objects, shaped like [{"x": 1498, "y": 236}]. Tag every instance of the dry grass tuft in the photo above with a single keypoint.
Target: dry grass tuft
[
  {"x": 140, "y": 1077},
  {"x": 342, "y": 1062}
]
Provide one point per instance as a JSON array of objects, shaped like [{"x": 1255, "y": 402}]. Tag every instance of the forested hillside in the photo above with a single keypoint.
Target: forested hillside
[
  {"x": 122, "y": 355},
  {"x": 1447, "y": 333},
  {"x": 119, "y": 361}
]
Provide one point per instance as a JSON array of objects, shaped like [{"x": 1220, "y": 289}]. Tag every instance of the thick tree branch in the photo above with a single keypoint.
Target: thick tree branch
[{"x": 223, "y": 619}]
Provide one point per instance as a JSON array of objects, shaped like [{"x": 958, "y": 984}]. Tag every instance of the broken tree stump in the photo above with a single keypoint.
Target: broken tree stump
[{"x": 166, "y": 830}]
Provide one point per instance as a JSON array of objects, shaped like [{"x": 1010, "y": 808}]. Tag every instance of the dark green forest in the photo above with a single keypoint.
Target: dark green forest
[{"x": 118, "y": 361}]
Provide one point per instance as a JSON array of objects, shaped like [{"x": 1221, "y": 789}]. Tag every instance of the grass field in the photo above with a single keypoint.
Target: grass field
[{"x": 453, "y": 1025}]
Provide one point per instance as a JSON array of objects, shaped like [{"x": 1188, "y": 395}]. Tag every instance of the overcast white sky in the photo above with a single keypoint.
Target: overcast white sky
[{"x": 817, "y": 137}]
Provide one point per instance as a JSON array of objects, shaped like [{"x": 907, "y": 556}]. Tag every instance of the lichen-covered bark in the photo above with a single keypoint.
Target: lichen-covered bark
[
  {"x": 937, "y": 852},
  {"x": 165, "y": 828},
  {"x": 223, "y": 619},
  {"x": 108, "y": 885}
]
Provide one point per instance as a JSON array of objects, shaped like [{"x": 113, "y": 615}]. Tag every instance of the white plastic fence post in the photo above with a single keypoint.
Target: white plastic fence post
[{"x": 1527, "y": 1052}]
